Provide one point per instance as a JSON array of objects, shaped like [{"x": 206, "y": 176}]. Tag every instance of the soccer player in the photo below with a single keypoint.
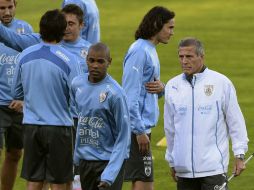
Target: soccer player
[
  {"x": 141, "y": 82},
  {"x": 201, "y": 112},
  {"x": 10, "y": 110},
  {"x": 91, "y": 30},
  {"x": 71, "y": 42},
  {"x": 42, "y": 77},
  {"x": 103, "y": 133}
]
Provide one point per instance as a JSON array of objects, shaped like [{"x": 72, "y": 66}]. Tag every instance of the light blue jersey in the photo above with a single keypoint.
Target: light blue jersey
[
  {"x": 103, "y": 124},
  {"x": 91, "y": 30},
  {"x": 141, "y": 65},
  {"x": 19, "y": 42},
  {"x": 8, "y": 60},
  {"x": 80, "y": 49},
  {"x": 43, "y": 77}
]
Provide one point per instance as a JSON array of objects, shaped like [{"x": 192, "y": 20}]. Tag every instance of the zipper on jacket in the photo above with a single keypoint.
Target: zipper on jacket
[{"x": 193, "y": 101}]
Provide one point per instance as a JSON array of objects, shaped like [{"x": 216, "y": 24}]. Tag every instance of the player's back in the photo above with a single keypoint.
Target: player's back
[{"x": 46, "y": 71}]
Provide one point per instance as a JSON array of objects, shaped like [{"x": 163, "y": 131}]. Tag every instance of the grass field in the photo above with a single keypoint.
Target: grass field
[{"x": 226, "y": 29}]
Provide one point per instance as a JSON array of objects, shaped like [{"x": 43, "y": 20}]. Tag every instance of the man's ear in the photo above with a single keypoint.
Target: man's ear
[
  {"x": 109, "y": 61},
  {"x": 81, "y": 25}
]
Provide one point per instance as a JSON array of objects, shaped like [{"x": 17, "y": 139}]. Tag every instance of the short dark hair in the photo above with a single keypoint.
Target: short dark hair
[
  {"x": 74, "y": 9},
  {"x": 52, "y": 26},
  {"x": 190, "y": 41},
  {"x": 153, "y": 22},
  {"x": 100, "y": 47}
]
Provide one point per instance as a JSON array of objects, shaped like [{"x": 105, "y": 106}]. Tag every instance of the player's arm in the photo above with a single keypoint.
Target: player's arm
[
  {"x": 17, "y": 41},
  {"x": 17, "y": 89},
  {"x": 121, "y": 146},
  {"x": 132, "y": 84}
]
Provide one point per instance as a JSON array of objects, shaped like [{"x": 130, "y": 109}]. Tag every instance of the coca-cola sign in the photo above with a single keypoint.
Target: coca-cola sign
[{"x": 8, "y": 59}]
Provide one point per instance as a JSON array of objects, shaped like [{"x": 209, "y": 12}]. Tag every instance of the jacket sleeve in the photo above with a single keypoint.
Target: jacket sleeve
[
  {"x": 132, "y": 83},
  {"x": 122, "y": 143},
  {"x": 17, "y": 89},
  {"x": 73, "y": 102},
  {"x": 17, "y": 41},
  {"x": 92, "y": 29},
  {"x": 75, "y": 71},
  {"x": 235, "y": 122},
  {"x": 169, "y": 127}
]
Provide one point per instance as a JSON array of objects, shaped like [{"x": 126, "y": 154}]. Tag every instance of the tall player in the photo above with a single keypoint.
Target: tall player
[
  {"x": 42, "y": 78},
  {"x": 10, "y": 110},
  {"x": 141, "y": 81}
]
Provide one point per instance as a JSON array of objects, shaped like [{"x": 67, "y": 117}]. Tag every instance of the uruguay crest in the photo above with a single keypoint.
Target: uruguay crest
[
  {"x": 148, "y": 170},
  {"x": 20, "y": 30},
  {"x": 83, "y": 53},
  {"x": 208, "y": 89},
  {"x": 103, "y": 96}
]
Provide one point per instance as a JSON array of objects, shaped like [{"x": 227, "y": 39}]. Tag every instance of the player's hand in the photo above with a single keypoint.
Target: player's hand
[
  {"x": 173, "y": 174},
  {"x": 239, "y": 166},
  {"x": 16, "y": 105},
  {"x": 103, "y": 185},
  {"x": 155, "y": 87},
  {"x": 143, "y": 143}
]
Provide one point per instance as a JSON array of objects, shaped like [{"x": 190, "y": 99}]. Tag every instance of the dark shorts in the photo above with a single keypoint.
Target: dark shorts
[
  {"x": 90, "y": 173},
  {"x": 47, "y": 154},
  {"x": 12, "y": 128},
  {"x": 138, "y": 167},
  {"x": 202, "y": 183},
  {"x": 74, "y": 131}
]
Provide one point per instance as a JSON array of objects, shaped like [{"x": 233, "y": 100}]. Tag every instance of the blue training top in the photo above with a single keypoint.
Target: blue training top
[
  {"x": 103, "y": 123},
  {"x": 43, "y": 77},
  {"x": 8, "y": 60},
  {"x": 141, "y": 65}
]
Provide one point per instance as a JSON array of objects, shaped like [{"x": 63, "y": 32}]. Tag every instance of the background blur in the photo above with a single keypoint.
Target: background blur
[{"x": 226, "y": 29}]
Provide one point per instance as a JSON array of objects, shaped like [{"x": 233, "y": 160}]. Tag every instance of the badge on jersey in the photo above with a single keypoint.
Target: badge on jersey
[
  {"x": 208, "y": 89},
  {"x": 83, "y": 53},
  {"x": 103, "y": 96},
  {"x": 20, "y": 30}
]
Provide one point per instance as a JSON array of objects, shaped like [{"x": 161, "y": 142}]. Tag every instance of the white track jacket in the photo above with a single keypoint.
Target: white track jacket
[{"x": 199, "y": 119}]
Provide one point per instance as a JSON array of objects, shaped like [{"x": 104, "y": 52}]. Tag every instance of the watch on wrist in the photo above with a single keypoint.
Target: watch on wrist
[{"x": 240, "y": 156}]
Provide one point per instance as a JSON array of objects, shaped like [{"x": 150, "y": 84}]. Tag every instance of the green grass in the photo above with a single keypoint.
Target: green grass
[{"x": 226, "y": 29}]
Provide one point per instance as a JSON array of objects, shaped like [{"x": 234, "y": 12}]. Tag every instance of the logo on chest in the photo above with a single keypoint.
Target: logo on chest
[
  {"x": 208, "y": 89},
  {"x": 83, "y": 53},
  {"x": 103, "y": 96}
]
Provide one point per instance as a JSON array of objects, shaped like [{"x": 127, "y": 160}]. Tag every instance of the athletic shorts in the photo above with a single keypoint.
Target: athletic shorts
[
  {"x": 12, "y": 128},
  {"x": 138, "y": 167},
  {"x": 90, "y": 173},
  {"x": 202, "y": 183},
  {"x": 47, "y": 154}
]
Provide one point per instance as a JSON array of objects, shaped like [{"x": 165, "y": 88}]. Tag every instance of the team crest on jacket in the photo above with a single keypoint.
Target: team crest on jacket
[
  {"x": 20, "y": 30},
  {"x": 208, "y": 90},
  {"x": 103, "y": 96},
  {"x": 83, "y": 53}
]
